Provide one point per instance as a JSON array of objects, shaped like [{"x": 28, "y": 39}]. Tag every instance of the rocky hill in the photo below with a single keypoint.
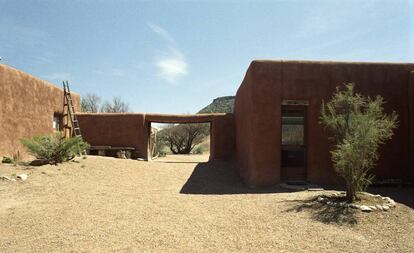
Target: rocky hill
[{"x": 220, "y": 105}]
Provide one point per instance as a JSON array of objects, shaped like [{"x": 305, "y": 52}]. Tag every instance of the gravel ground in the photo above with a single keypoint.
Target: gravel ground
[{"x": 180, "y": 204}]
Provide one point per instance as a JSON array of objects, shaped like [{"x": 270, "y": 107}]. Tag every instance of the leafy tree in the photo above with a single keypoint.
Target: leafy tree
[
  {"x": 181, "y": 139},
  {"x": 117, "y": 105},
  {"x": 55, "y": 148},
  {"x": 90, "y": 103},
  {"x": 359, "y": 126}
]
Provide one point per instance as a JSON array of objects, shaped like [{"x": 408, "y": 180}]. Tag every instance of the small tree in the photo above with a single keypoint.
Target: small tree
[
  {"x": 359, "y": 125},
  {"x": 90, "y": 103},
  {"x": 181, "y": 139},
  {"x": 117, "y": 105}
]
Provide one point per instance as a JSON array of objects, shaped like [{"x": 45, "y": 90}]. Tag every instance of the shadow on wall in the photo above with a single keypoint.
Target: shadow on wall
[{"x": 220, "y": 177}]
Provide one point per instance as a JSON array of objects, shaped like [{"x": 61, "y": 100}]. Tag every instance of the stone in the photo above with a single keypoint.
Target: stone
[
  {"x": 22, "y": 177},
  {"x": 5, "y": 178},
  {"x": 313, "y": 188},
  {"x": 385, "y": 208},
  {"x": 379, "y": 207},
  {"x": 308, "y": 204},
  {"x": 392, "y": 203},
  {"x": 321, "y": 199},
  {"x": 368, "y": 194},
  {"x": 365, "y": 208},
  {"x": 121, "y": 154},
  {"x": 373, "y": 208},
  {"x": 39, "y": 162},
  {"x": 352, "y": 205}
]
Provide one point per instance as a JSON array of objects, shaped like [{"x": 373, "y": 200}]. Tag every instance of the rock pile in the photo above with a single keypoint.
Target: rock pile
[{"x": 388, "y": 203}]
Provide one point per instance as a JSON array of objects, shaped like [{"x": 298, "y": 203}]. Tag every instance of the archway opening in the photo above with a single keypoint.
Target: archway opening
[{"x": 179, "y": 142}]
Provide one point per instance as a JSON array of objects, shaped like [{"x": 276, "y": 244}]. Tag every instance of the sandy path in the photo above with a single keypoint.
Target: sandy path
[{"x": 104, "y": 204}]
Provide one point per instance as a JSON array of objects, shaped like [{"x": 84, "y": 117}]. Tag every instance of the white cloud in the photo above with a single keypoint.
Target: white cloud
[
  {"x": 172, "y": 64},
  {"x": 171, "y": 67},
  {"x": 161, "y": 32}
]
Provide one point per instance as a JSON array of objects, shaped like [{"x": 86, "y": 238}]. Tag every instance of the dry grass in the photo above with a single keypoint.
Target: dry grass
[{"x": 103, "y": 204}]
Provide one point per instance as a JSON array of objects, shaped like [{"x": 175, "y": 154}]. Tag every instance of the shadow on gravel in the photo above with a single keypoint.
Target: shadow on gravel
[
  {"x": 220, "y": 177},
  {"x": 324, "y": 213}
]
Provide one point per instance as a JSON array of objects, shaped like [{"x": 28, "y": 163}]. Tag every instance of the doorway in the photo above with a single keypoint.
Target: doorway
[
  {"x": 179, "y": 142},
  {"x": 293, "y": 142}
]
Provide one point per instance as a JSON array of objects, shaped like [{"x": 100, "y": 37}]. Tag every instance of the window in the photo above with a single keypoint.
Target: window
[
  {"x": 57, "y": 122},
  {"x": 293, "y": 128}
]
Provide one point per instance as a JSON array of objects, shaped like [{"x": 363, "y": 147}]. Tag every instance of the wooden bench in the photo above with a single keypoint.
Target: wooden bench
[{"x": 119, "y": 151}]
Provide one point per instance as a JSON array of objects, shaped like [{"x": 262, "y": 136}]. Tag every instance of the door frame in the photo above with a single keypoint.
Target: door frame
[{"x": 303, "y": 107}]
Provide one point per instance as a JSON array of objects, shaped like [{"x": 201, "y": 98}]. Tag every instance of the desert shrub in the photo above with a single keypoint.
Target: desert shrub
[
  {"x": 55, "y": 148},
  {"x": 198, "y": 150},
  {"x": 359, "y": 126},
  {"x": 162, "y": 153},
  {"x": 7, "y": 160}
]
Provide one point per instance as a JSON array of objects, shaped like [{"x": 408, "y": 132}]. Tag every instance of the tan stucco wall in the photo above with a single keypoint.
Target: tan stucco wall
[
  {"x": 268, "y": 83},
  {"x": 27, "y": 105}
]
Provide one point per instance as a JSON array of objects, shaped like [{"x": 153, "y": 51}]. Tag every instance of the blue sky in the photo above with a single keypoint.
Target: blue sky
[{"x": 176, "y": 56}]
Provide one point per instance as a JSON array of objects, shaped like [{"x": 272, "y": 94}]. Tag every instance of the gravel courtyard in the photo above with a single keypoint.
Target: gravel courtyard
[{"x": 181, "y": 204}]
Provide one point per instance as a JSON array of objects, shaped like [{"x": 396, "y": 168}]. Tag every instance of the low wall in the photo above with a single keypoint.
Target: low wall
[
  {"x": 27, "y": 106},
  {"x": 132, "y": 130},
  {"x": 114, "y": 129}
]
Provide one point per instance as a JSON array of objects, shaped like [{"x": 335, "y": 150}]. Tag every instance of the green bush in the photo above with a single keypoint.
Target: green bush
[
  {"x": 55, "y": 148},
  {"x": 198, "y": 150},
  {"x": 162, "y": 153},
  {"x": 7, "y": 160},
  {"x": 359, "y": 126}
]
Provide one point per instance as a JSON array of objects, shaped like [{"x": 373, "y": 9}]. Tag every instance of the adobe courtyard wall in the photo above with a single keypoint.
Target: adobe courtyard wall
[
  {"x": 115, "y": 129},
  {"x": 132, "y": 130},
  {"x": 27, "y": 106},
  {"x": 267, "y": 83},
  {"x": 411, "y": 122}
]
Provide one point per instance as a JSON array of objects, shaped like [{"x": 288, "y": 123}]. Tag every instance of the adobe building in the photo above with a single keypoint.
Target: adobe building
[
  {"x": 28, "y": 107},
  {"x": 273, "y": 135},
  {"x": 277, "y": 108}
]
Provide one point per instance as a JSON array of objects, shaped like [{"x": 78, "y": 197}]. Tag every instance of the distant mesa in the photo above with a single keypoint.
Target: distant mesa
[{"x": 220, "y": 105}]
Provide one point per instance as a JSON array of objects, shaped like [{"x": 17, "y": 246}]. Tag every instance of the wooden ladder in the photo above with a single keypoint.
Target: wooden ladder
[{"x": 69, "y": 113}]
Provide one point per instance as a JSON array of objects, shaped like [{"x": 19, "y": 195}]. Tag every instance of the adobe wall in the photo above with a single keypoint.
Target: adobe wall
[
  {"x": 132, "y": 130},
  {"x": 268, "y": 83},
  {"x": 222, "y": 137},
  {"x": 411, "y": 121},
  {"x": 115, "y": 129},
  {"x": 27, "y": 108}
]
